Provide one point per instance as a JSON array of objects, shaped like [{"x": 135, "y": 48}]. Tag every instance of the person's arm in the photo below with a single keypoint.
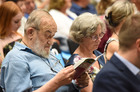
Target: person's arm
[
  {"x": 64, "y": 77},
  {"x": 112, "y": 47}
]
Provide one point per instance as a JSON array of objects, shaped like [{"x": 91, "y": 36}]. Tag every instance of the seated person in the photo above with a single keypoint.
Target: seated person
[
  {"x": 31, "y": 65},
  {"x": 87, "y": 30},
  {"x": 122, "y": 72},
  {"x": 10, "y": 20},
  {"x": 82, "y": 6},
  {"x": 115, "y": 17}
]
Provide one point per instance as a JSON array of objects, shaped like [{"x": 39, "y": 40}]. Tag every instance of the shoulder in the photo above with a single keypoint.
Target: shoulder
[
  {"x": 109, "y": 79},
  {"x": 113, "y": 46}
]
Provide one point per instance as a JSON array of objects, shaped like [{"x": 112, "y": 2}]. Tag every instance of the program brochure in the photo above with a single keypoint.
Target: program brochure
[{"x": 83, "y": 64}]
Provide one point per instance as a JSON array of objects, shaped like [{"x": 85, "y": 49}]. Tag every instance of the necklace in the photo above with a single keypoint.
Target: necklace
[{"x": 47, "y": 62}]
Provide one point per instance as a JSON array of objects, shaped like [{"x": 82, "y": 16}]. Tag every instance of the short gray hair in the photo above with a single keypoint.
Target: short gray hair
[
  {"x": 34, "y": 19},
  {"x": 85, "y": 25}
]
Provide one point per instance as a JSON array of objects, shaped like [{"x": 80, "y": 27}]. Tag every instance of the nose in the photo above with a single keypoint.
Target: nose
[
  {"x": 50, "y": 41},
  {"x": 98, "y": 39}
]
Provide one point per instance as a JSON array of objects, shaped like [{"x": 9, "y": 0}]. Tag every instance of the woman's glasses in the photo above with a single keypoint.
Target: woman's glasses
[{"x": 96, "y": 37}]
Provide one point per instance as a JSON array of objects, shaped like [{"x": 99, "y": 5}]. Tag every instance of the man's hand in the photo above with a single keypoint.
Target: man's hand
[{"x": 65, "y": 76}]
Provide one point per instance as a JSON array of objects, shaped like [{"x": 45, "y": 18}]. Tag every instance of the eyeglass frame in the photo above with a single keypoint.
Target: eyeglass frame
[{"x": 96, "y": 37}]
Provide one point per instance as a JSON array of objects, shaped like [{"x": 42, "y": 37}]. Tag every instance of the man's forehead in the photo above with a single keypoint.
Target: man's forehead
[{"x": 47, "y": 23}]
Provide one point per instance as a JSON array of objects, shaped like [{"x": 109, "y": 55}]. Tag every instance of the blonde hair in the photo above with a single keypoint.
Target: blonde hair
[
  {"x": 84, "y": 26},
  {"x": 103, "y": 5},
  {"x": 116, "y": 13},
  {"x": 56, "y": 4}
]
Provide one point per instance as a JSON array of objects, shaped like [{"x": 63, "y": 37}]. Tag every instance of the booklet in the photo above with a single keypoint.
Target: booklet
[{"x": 83, "y": 65}]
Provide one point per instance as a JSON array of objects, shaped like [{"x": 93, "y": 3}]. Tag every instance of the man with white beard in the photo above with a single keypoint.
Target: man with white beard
[{"x": 30, "y": 65}]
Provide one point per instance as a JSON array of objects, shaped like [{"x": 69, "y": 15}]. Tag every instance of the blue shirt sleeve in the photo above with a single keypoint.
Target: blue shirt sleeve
[{"x": 17, "y": 73}]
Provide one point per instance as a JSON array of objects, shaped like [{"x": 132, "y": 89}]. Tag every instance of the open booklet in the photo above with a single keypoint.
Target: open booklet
[{"x": 83, "y": 65}]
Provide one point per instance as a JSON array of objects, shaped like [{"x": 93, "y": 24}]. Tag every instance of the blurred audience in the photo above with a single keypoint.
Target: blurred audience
[
  {"x": 115, "y": 17},
  {"x": 122, "y": 72},
  {"x": 81, "y": 6},
  {"x": 59, "y": 9},
  {"x": 30, "y": 6},
  {"x": 21, "y": 4},
  {"x": 10, "y": 21},
  {"x": 101, "y": 7},
  {"x": 41, "y": 4}
]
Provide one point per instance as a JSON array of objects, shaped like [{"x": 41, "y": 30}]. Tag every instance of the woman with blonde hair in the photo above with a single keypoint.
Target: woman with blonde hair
[
  {"x": 115, "y": 17},
  {"x": 10, "y": 17}
]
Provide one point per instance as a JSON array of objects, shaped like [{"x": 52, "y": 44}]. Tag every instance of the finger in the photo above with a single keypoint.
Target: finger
[{"x": 69, "y": 69}]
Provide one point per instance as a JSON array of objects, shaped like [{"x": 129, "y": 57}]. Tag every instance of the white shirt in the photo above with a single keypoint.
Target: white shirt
[{"x": 63, "y": 22}]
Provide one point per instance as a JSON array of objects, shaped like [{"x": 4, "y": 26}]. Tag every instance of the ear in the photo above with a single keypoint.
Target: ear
[
  {"x": 30, "y": 33},
  {"x": 138, "y": 44}
]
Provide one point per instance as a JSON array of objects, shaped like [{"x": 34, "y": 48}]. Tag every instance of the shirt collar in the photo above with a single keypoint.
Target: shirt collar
[
  {"x": 22, "y": 47},
  {"x": 129, "y": 65}
]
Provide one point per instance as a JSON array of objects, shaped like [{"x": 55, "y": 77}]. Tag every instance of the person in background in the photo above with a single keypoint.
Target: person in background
[
  {"x": 10, "y": 21},
  {"x": 59, "y": 9},
  {"x": 101, "y": 7},
  {"x": 122, "y": 72},
  {"x": 81, "y": 6},
  {"x": 30, "y": 6},
  {"x": 115, "y": 17},
  {"x": 41, "y": 4},
  {"x": 21, "y": 4},
  {"x": 31, "y": 64},
  {"x": 87, "y": 33}
]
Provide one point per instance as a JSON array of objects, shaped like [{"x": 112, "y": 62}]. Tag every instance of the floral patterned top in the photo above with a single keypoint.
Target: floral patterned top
[{"x": 93, "y": 71}]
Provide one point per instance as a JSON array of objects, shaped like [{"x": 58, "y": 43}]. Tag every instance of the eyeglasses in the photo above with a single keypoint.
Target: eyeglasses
[{"x": 96, "y": 37}]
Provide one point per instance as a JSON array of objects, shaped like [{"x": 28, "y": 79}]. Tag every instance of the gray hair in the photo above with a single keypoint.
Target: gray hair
[
  {"x": 84, "y": 26},
  {"x": 116, "y": 13},
  {"x": 34, "y": 19}
]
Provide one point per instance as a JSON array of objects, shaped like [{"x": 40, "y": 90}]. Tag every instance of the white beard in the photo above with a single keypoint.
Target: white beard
[{"x": 39, "y": 50}]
